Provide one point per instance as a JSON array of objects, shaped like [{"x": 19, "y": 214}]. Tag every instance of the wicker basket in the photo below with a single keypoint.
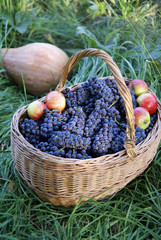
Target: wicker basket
[{"x": 63, "y": 181}]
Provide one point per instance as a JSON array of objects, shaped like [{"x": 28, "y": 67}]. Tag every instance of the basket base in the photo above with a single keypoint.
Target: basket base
[{"x": 71, "y": 201}]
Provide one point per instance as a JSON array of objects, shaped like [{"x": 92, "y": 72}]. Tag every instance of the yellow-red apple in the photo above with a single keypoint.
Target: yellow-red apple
[
  {"x": 36, "y": 109},
  {"x": 138, "y": 86},
  {"x": 148, "y": 101},
  {"x": 55, "y": 100},
  {"x": 142, "y": 117}
]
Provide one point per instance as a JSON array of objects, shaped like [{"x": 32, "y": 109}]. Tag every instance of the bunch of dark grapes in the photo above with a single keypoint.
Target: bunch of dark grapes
[
  {"x": 153, "y": 119},
  {"x": 83, "y": 94},
  {"x": 66, "y": 139},
  {"x": 99, "y": 89},
  {"x": 92, "y": 124},
  {"x": 52, "y": 121},
  {"x": 120, "y": 138},
  {"x": 89, "y": 105},
  {"x": 30, "y": 130},
  {"x": 139, "y": 134},
  {"x": 76, "y": 122},
  {"x": 121, "y": 106},
  {"x": 103, "y": 139},
  {"x": 94, "y": 119},
  {"x": 71, "y": 98}
]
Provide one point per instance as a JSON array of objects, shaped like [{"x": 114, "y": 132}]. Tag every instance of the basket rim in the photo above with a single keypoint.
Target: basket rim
[{"x": 52, "y": 158}]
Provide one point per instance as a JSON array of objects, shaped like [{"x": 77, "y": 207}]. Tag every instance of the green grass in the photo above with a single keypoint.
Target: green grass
[{"x": 127, "y": 30}]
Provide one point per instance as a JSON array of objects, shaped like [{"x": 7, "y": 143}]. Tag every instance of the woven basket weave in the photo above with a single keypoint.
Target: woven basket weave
[{"x": 63, "y": 181}]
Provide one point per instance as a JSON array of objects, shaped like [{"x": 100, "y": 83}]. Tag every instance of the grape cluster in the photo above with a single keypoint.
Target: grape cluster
[
  {"x": 83, "y": 94},
  {"x": 71, "y": 97},
  {"x": 139, "y": 134},
  {"x": 30, "y": 129},
  {"x": 121, "y": 105},
  {"x": 92, "y": 124},
  {"x": 103, "y": 138},
  {"x": 66, "y": 139},
  {"x": 153, "y": 119},
  {"x": 76, "y": 122}
]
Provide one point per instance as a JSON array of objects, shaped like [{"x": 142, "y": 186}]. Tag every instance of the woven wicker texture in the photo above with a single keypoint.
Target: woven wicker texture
[{"x": 64, "y": 181}]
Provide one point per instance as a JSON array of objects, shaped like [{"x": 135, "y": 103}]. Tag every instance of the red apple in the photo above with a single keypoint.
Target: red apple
[
  {"x": 148, "y": 101},
  {"x": 138, "y": 86},
  {"x": 36, "y": 109},
  {"x": 55, "y": 100},
  {"x": 142, "y": 117}
]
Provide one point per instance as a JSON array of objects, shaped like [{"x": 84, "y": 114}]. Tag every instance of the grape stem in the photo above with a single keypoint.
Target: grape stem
[
  {"x": 113, "y": 103},
  {"x": 61, "y": 149},
  {"x": 116, "y": 121}
]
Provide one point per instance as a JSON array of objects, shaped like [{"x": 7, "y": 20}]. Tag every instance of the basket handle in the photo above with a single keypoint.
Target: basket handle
[{"x": 122, "y": 88}]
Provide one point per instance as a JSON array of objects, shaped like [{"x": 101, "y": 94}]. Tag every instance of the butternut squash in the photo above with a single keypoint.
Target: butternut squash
[{"x": 38, "y": 65}]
